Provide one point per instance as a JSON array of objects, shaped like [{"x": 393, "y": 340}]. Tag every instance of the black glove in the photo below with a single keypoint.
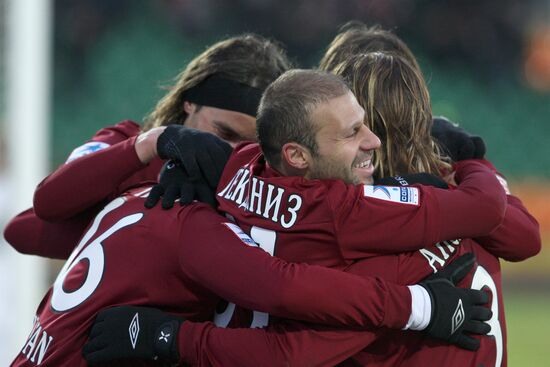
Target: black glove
[
  {"x": 457, "y": 142},
  {"x": 175, "y": 183},
  {"x": 201, "y": 154},
  {"x": 129, "y": 332},
  {"x": 457, "y": 311},
  {"x": 425, "y": 179}
]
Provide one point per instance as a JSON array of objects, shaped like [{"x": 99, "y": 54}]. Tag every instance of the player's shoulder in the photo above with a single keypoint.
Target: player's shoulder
[
  {"x": 338, "y": 188},
  {"x": 244, "y": 155},
  {"x": 341, "y": 193},
  {"x": 245, "y": 152},
  {"x": 118, "y": 132},
  {"x": 135, "y": 201},
  {"x": 106, "y": 137}
]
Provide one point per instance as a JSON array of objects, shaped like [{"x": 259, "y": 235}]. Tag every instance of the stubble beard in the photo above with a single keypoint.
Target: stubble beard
[{"x": 328, "y": 169}]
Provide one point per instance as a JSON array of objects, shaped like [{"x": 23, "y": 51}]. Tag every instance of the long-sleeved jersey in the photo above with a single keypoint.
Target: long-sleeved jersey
[
  {"x": 26, "y": 232},
  {"x": 67, "y": 200},
  {"x": 304, "y": 345},
  {"x": 180, "y": 261},
  {"x": 291, "y": 343},
  {"x": 330, "y": 223}
]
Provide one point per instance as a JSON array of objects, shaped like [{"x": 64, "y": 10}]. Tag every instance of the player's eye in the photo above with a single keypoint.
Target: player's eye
[
  {"x": 354, "y": 132},
  {"x": 229, "y": 135}
]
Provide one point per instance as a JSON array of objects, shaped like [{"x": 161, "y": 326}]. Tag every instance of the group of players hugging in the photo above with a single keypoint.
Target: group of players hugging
[{"x": 270, "y": 216}]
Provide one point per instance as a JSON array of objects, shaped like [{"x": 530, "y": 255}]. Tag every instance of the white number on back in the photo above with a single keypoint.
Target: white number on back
[
  {"x": 483, "y": 279},
  {"x": 266, "y": 240},
  {"x": 63, "y": 301}
]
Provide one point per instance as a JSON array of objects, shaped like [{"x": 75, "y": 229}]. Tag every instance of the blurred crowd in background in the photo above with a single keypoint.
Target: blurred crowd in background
[
  {"x": 491, "y": 38},
  {"x": 488, "y": 62}
]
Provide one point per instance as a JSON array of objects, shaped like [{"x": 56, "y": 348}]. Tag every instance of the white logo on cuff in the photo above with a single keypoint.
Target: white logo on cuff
[
  {"x": 134, "y": 330},
  {"x": 458, "y": 316},
  {"x": 164, "y": 336}
]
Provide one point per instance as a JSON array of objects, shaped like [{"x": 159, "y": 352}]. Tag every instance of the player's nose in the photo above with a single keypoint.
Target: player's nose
[{"x": 370, "y": 140}]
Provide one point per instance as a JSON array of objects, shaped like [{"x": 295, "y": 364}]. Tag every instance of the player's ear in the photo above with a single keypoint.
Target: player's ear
[
  {"x": 296, "y": 156},
  {"x": 189, "y": 107}
]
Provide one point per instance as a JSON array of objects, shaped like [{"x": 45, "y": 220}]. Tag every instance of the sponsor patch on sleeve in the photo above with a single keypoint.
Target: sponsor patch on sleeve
[
  {"x": 86, "y": 149},
  {"x": 402, "y": 195},
  {"x": 240, "y": 233}
]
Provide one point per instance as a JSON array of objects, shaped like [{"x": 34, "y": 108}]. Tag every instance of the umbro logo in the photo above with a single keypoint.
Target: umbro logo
[
  {"x": 134, "y": 330},
  {"x": 458, "y": 317}
]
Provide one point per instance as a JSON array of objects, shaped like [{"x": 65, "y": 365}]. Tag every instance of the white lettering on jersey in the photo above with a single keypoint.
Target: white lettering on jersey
[
  {"x": 442, "y": 256},
  {"x": 266, "y": 240},
  {"x": 37, "y": 344},
  {"x": 86, "y": 149},
  {"x": 262, "y": 198},
  {"x": 292, "y": 210},
  {"x": 402, "y": 195}
]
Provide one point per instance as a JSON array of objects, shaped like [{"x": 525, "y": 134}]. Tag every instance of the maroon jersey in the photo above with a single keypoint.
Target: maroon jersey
[
  {"x": 271, "y": 207},
  {"x": 290, "y": 343},
  {"x": 95, "y": 172},
  {"x": 174, "y": 260},
  {"x": 286, "y": 342},
  {"x": 329, "y": 223},
  {"x": 127, "y": 256},
  {"x": 68, "y": 199},
  {"x": 392, "y": 348}
]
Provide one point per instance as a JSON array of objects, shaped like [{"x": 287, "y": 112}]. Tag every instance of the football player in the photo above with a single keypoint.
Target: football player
[{"x": 303, "y": 198}]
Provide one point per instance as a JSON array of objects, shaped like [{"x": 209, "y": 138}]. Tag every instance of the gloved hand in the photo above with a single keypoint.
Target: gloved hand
[
  {"x": 175, "y": 183},
  {"x": 201, "y": 154},
  {"x": 129, "y": 332},
  {"x": 457, "y": 142},
  {"x": 425, "y": 179},
  {"x": 457, "y": 311}
]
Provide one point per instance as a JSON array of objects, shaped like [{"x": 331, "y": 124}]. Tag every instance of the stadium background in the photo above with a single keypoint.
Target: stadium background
[{"x": 487, "y": 64}]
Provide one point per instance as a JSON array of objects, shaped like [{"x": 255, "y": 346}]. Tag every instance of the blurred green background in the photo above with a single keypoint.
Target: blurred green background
[
  {"x": 111, "y": 62},
  {"x": 487, "y": 64}
]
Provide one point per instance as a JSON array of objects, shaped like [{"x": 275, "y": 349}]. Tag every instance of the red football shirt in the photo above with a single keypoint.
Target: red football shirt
[
  {"x": 68, "y": 199},
  {"x": 180, "y": 260},
  {"x": 329, "y": 223},
  {"x": 332, "y": 224},
  {"x": 286, "y": 342}
]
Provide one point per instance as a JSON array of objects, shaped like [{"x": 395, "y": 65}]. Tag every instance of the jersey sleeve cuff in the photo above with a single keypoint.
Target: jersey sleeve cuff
[{"x": 421, "y": 308}]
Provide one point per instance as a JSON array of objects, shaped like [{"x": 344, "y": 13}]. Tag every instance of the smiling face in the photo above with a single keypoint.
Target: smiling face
[
  {"x": 231, "y": 126},
  {"x": 345, "y": 143}
]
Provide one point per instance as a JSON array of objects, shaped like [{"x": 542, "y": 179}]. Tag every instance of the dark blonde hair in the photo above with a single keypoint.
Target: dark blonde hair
[
  {"x": 397, "y": 109},
  {"x": 248, "y": 59},
  {"x": 355, "y": 38}
]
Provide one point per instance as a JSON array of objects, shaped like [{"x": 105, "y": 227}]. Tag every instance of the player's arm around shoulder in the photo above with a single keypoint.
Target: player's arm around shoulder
[
  {"x": 371, "y": 220},
  {"x": 518, "y": 237},
  {"x": 30, "y": 235},
  {"x": 476, "y": 207},
  {"x": 385, "y": 219},
  {"x": 91, "y": 174}
]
